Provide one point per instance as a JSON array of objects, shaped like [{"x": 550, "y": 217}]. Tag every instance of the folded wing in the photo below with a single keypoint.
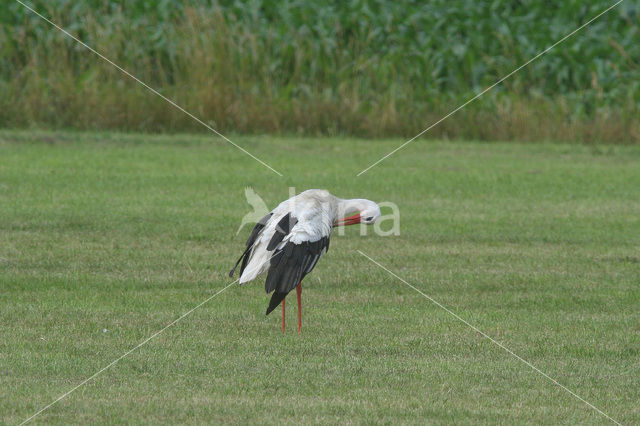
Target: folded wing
[{"x": 289, "y": 265}]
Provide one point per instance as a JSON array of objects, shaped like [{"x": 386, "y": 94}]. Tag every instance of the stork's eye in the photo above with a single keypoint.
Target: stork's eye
[{"x": 369, "y": 219}]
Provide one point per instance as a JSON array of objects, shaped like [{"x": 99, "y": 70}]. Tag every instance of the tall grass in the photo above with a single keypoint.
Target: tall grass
[{"x": 368, "y": 68}]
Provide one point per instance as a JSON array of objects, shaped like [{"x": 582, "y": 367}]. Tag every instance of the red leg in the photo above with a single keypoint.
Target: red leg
[
  {"x": 299, "y": 292},
  {"x": 283, "y": 315}
]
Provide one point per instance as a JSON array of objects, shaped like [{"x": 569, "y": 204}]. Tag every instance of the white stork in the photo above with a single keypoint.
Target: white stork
[{"x": 289, "y": 241}]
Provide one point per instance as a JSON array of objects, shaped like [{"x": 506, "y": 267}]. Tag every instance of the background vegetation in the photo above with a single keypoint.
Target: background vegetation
[{"x": 362, "y": 67}]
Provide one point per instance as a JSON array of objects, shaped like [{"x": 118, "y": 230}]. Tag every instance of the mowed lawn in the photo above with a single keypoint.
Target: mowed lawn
[{"x": 107, "y": 238}]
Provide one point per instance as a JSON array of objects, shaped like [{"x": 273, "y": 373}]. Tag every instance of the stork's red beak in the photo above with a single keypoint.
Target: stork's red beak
[{"x": 351, "y": 220}]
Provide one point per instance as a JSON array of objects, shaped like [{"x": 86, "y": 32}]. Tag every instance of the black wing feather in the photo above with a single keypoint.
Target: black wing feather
[
  {"x": 283, "y": 228},
  {"x": 256, "y": 229},
  {"x": 289, "y": 265},
  {"x": 252, "y": 239}
]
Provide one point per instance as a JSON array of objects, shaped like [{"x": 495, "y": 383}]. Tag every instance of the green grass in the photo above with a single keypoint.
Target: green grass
[{"x": 537, "y": 245}]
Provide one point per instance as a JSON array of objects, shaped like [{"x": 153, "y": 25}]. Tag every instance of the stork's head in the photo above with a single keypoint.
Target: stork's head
[{"x": 366, "y": 212}]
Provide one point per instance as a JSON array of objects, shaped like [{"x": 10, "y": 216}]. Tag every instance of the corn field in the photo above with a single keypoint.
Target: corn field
[{"x": 362, "y": 68}]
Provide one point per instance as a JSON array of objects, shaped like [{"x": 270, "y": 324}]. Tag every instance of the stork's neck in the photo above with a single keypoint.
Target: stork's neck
[{"x": 347, "y": 207}]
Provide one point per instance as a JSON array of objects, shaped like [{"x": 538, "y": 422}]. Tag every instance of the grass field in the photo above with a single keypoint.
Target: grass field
[{"x": 537, "y": 245}]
